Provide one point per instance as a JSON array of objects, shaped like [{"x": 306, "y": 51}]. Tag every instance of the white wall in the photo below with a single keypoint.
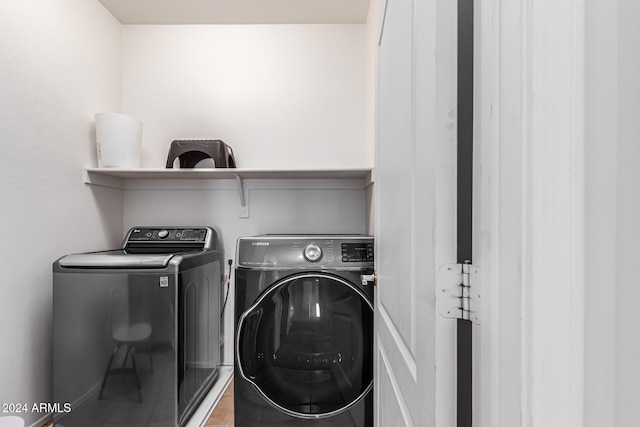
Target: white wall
[
  {"x": 499, "y": 245},
  {"x": 612, "y": 341},
  {"x": 275, "y": 206},
  {"x": 601, "y": 195},
  {"x": 60, "y": 62},
  {"x": 627, "y": 334},
  {"x": 283, "y": 96}
]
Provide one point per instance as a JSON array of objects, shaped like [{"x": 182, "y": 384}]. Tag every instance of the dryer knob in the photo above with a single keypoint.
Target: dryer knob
[
  {"x": 163, "y": 234},
  {"x": 312, "y": 252}
]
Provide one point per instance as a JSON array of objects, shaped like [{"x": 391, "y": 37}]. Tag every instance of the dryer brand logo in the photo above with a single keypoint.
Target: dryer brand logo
[{"x": 260, "y": 243}]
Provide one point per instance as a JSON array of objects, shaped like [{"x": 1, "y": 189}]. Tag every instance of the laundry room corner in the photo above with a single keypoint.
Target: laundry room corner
[{"x": 269, "y": 92}]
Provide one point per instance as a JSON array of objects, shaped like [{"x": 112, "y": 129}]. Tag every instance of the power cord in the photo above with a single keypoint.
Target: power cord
[{"x": 228, "y": 283}]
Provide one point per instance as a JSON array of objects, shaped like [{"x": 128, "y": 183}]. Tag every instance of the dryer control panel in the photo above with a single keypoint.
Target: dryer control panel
[
  {"x": 357, "y": 252},
  {"x": 304, "y": 252}
]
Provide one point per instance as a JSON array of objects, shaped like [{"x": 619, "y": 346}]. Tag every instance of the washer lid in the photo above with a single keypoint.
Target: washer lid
[{"x": 115, "y": 259}]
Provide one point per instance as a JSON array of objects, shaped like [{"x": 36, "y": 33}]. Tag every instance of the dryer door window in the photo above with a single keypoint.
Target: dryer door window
[{"x": 307, "y": 345}]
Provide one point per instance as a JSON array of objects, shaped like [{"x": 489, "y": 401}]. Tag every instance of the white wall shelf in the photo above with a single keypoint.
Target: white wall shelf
[
  {"x": 169, "y": 178},
  {"x": 115, "y": 177}
]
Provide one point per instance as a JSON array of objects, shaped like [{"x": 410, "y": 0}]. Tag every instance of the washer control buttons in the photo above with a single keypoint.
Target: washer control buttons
[
  {"x": 163, "y": 234},
  {"x": 312, "y": 252}
]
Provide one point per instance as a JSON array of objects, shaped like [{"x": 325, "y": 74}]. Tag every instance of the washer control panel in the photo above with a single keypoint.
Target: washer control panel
[
  {"x": 167, "y": 234},
  {"x": 163, "y": 239}
]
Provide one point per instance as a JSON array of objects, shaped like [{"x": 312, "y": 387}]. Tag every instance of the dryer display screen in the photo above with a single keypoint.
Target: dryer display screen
[{"x": 357, "y": 252}]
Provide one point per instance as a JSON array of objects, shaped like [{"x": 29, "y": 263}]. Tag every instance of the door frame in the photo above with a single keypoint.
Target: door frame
[{"x": 529, "y": 241}]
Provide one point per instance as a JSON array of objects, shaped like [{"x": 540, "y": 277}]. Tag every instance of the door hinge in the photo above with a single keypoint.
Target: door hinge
[{"x": 459, "y": 292}]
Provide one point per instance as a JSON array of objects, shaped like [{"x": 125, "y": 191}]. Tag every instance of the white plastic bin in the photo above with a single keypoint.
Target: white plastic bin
[{"x": 119, "y": 140}]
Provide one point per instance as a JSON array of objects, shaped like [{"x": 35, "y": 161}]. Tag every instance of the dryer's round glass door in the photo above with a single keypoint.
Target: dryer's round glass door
[{"x": 307, "y": 345}]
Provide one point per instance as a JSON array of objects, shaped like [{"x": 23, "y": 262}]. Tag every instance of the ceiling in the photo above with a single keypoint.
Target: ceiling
[{"x": 238, "y": 11}]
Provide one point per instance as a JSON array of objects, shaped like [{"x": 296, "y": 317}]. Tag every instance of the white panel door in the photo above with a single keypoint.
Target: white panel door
[{"x": 415, "y": 197}]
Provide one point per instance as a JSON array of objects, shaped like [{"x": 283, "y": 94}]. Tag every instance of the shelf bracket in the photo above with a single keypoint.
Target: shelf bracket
[
  {"x": 243, "y": 210},
  {"x": 102, "y": 180}
]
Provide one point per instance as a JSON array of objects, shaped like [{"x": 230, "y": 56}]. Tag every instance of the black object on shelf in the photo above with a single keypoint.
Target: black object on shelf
[{"x": 192, "y": 152}]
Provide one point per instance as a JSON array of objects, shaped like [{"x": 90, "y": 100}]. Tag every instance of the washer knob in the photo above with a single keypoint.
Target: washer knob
[
  {"x": 312, "y": 252},
  {"x": 163, "y": 234}
]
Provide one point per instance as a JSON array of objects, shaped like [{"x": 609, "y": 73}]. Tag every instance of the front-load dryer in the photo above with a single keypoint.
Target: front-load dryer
[{"x": 304, "y": 331}]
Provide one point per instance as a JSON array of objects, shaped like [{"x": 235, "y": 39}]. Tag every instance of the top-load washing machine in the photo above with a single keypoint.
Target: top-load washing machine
[
  {"x": 136, "y": 331},
  {"x": 304, "y": 331}
]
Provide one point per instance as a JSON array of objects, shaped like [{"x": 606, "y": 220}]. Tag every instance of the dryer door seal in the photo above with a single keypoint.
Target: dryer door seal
[{"x": 306, "y": 345}]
